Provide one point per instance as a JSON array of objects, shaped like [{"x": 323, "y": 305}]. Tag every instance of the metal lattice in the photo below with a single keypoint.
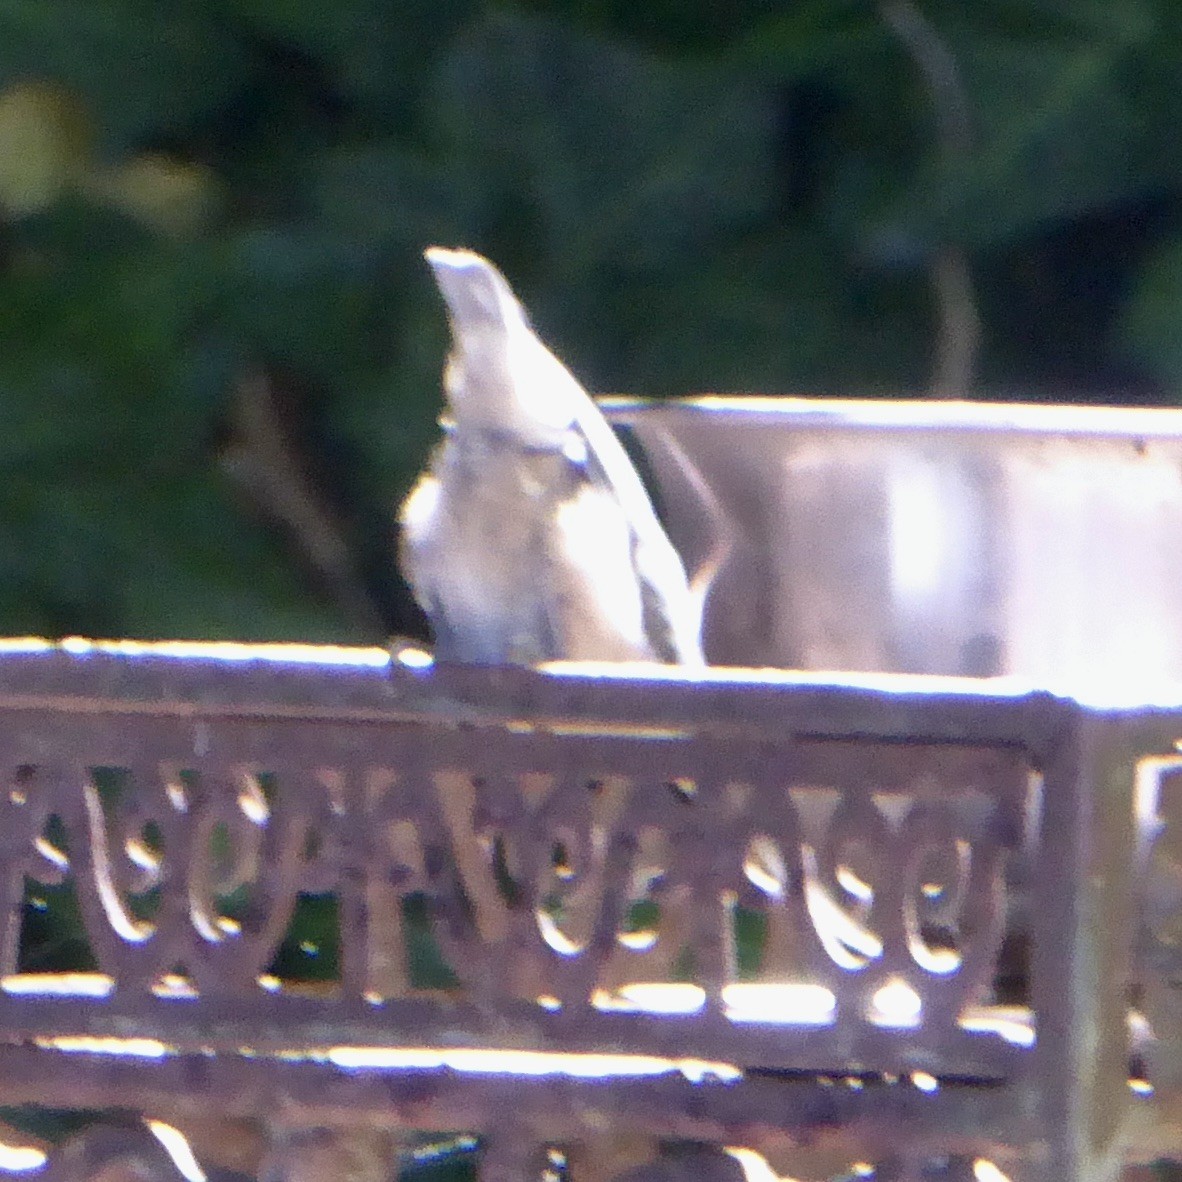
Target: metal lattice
[{"x": 573, "y": 917}]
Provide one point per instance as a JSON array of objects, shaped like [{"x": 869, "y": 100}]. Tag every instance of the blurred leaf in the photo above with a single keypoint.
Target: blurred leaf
[
  {"x": 169, "y": 195},
  {"x": 44, "y": 145}
]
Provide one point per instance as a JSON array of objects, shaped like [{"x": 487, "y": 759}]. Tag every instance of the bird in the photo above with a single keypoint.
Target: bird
[{"x": 530, "y": 536}]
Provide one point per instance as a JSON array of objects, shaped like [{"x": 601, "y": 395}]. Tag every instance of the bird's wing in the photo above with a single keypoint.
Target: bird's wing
[
  {"x": 673, "y": 613},
  {"x": 594, "y": 601}
]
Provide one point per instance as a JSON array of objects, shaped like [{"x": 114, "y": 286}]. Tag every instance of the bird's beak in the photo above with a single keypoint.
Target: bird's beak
[
  {"x": 443, "y": 260},
  {"x": 472, "y": 287}
]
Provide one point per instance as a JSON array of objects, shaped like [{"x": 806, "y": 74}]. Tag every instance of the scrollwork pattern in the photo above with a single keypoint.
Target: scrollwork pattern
[{"x": 572, "y": 877}]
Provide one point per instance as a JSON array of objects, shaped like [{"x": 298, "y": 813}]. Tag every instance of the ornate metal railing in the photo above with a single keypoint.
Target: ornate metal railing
[{"x": 584, "y": 919}]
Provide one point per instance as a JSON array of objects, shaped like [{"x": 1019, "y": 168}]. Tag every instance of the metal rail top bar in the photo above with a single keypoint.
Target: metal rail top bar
[
  {"x": 368, "y": 685},
  {"x": 1136, "y": 423},
  {"x": 408, "y": 677}
]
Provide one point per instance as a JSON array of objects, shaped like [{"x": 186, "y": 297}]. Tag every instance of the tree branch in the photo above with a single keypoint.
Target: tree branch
[
  {"x": 263, "y": 459},
  {"x": 959, "y": 324}
]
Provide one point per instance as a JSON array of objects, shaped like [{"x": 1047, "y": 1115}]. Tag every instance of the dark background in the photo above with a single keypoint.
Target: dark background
[{"x": 220, "y": 349}]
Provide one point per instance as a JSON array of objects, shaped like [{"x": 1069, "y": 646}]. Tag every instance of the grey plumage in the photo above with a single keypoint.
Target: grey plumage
[{"x": 530, "y": 537}]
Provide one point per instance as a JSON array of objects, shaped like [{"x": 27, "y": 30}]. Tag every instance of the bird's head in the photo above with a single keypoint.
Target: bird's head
[
  {"x": 479, "y": 298},
  {"x": 500, "y": 376}
]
